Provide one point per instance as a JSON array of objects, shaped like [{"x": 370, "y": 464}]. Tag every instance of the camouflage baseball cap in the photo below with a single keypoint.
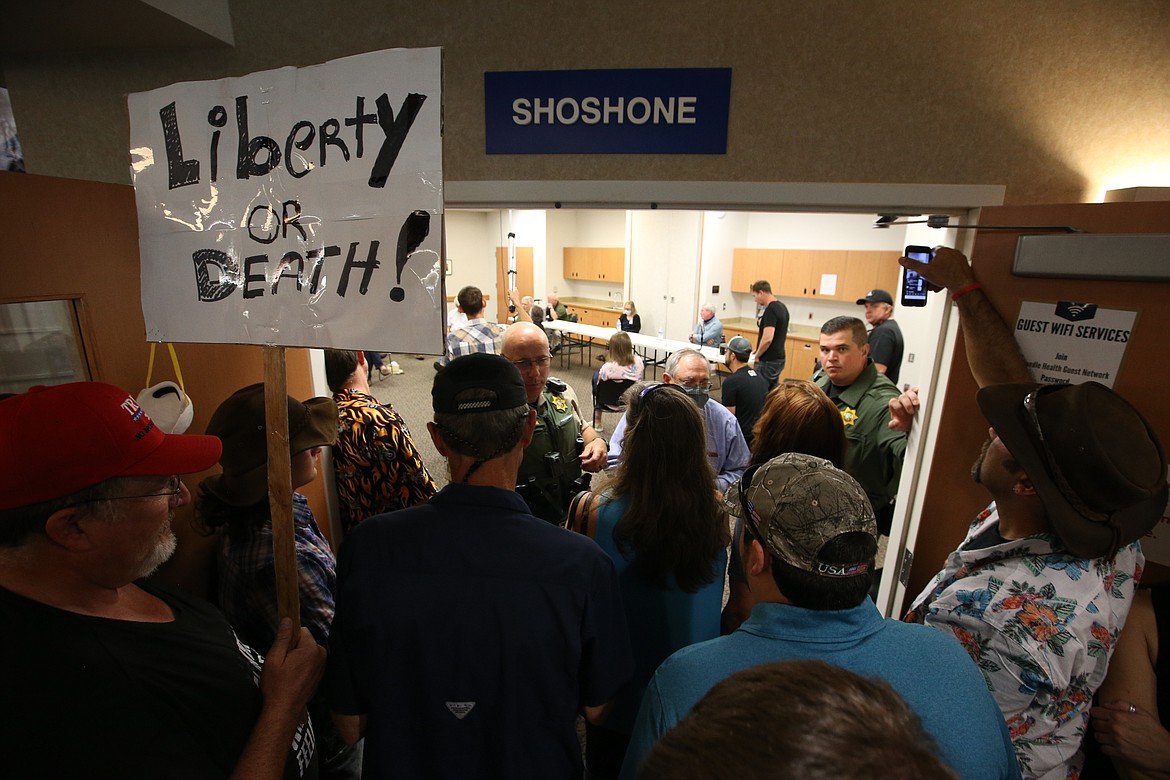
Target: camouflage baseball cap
[{"x": 799, "y": 503}]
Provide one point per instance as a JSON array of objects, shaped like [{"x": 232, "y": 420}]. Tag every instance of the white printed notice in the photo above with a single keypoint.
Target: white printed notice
[
  {"x": 295, "y": 207},
  {"x": 1070, "y": 343}
]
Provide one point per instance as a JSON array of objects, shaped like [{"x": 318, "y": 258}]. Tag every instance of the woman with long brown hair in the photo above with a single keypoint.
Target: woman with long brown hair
[
  {"x": 661, "y": 522},
  {"x": 797, "y": 417}
]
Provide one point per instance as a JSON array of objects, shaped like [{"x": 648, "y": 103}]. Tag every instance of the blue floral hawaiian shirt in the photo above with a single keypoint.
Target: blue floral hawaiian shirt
[{"x": 1041, "y": 625}]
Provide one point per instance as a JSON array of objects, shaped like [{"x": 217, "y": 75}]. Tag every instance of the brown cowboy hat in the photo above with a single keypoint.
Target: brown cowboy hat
[
  {"x": 239, "y": 422},
  {"x": 1094, "y": 460}
]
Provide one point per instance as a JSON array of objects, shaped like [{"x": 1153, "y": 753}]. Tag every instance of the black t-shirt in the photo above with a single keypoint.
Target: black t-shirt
[
  {"x": 775, "y": 316},
  {"x": 746, "y": 391},
  {"x": 87, "y": 696},
  {"x": 885, "y": 347}
]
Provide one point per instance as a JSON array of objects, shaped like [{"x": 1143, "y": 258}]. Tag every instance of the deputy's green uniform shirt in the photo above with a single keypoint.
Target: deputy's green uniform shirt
[
  {"x": 546, "y": 482},
  {"x": 875, "y": 453}
]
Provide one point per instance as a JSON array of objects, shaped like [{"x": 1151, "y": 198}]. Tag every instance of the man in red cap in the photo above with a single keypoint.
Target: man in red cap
[
  {"x": 1039, "y": 590},
  {"x": 108, "y": 674}
]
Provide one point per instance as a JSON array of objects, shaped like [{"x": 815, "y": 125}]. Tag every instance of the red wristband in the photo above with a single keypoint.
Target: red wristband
[{"x": 959, "y": 293}]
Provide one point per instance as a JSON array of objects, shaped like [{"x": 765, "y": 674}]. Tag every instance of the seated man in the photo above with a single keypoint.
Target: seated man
[
  {"x": 555, "y": 310},
  {"x": 808, "y": 546},
  {"x": 1039, "y": 590},
  {"x": 469, "y": 633},
  {"x": 477, "y": 334},
  {"x": 520, "y": 308},
  {"x": 726, "y": 446},
  {"x": 709, "y": 330},
  {"x": 107, "y": 673}
]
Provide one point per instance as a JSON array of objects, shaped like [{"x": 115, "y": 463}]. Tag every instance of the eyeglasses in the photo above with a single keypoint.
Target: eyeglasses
[
  {"x": 701, "y": 385},
  {"x": 540, "y": 362},
  {"x": 173, "y": 489}
]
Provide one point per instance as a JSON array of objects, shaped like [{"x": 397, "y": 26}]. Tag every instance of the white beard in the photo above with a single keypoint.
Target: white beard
[{"x": 160, "y": 554}]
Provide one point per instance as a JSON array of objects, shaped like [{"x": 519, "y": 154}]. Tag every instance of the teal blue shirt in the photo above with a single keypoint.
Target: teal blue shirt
[
  {"x": 659, "y": 621},
  {"x": 929, "y": 669}
]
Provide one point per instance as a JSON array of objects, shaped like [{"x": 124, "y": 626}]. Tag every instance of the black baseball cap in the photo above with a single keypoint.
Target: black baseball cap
[
  {"x": 478, "y": 371},
  {"x": 876, "y": 296}
]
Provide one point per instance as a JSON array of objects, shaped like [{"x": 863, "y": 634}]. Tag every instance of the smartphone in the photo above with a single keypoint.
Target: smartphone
[{"x": 914, "y": 289}]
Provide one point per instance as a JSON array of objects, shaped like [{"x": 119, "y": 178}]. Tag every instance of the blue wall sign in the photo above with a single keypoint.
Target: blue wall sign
[{"x": 646, "y": 111}]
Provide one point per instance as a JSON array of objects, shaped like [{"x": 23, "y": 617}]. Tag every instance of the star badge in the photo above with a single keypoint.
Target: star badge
[{"x": 849, "y": 416}]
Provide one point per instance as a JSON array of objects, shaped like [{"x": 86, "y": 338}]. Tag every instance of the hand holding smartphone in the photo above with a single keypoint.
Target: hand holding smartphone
[{"x": 914, "y": 288}]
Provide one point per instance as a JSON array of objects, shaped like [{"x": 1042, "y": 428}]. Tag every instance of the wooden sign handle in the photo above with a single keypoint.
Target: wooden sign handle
[{"x": 280, "y": 487}]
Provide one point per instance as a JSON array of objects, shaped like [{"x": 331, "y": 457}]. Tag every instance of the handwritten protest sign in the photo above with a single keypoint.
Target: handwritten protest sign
[{"x": 298, "y": 206}]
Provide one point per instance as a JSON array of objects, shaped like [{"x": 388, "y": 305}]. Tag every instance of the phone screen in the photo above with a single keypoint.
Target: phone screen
[{"x": 914, "y": 289}]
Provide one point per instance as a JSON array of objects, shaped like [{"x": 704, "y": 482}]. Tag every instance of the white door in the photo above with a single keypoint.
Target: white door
[{"x": 664, "y": 270}]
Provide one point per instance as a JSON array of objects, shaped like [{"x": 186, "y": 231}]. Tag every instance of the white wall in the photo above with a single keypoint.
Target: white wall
[
  {"x": 472, "y": 252},
  {"x": 722, "y": 232},
  {"x": 591, "y": 228},
  {"x": 560, "y": 232}
]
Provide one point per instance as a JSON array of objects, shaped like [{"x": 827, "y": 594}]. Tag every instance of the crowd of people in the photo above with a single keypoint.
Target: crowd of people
[{"x": 469, "y": 629}]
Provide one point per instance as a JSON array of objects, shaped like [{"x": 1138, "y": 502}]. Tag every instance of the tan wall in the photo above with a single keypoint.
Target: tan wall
[
  {"x": 68, "y": 239},
  {"x": 1056, "y": 100}
]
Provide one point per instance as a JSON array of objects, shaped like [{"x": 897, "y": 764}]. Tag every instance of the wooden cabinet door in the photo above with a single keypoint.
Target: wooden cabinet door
[
  {"x": 827, "y": 273},
  {"x": 576, "y": 262},
  {"x": 524, "y": 282},
  {"x": 742, "y": 269},
  {"x": 860, "y": 274},
  {"x": 888, "y": 274},
  {"x": 865, "y": 271},
  {"x": 610, "y": 265},
  {"x": 795, "y": 273},
  {"x": 800, "y": 358}
]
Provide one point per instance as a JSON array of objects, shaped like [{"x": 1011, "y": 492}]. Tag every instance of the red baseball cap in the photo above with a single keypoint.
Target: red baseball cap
[{"x": 58, "y": 440}]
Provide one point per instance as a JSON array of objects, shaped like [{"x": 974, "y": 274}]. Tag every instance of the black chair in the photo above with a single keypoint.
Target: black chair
[{"x": 607, "y": 397}]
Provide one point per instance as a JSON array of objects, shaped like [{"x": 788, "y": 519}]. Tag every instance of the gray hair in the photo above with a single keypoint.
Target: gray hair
[
  {"x": 19, "y": 523},
  {"x": 678, "y": 357}
]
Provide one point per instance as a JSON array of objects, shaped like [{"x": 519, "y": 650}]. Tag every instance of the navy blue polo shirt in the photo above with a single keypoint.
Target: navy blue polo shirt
[{"x": 470, "y": 633}]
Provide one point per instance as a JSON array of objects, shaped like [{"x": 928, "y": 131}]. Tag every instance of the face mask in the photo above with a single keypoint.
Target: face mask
[
  {"x": 700, "y": 395},
  {"x": 626, "y": 312}
]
